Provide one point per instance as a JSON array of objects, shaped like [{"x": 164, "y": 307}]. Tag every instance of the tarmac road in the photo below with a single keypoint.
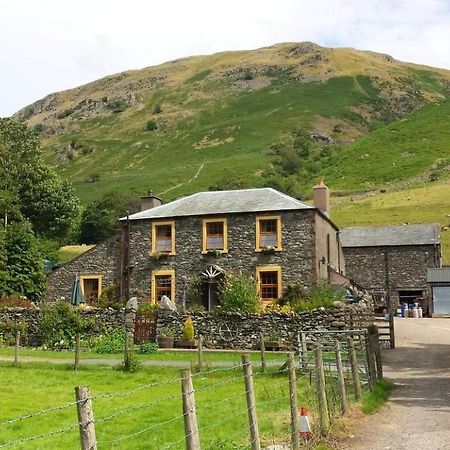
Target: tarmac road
[{"x": 417, "y": 416}]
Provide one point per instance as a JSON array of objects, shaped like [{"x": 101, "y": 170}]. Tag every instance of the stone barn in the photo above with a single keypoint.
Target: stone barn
[{"x": 392, "y": 262}]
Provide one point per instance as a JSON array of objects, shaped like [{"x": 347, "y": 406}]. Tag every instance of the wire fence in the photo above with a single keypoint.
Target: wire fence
[{"x": 240, "y": 407}]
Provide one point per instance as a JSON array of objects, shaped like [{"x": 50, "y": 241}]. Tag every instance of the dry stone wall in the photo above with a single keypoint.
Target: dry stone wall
[
  {"x": 103, "y": 319},
  {"x": 242, "y": 331}
]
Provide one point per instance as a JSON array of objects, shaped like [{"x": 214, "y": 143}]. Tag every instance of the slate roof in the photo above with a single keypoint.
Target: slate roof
[
  {"x": 438, "y": 275},
  {"x": 224, "y": 202},
  {"x": 390, "y": 236}
]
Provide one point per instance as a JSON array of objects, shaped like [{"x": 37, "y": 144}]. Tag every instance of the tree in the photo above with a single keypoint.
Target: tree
[
  {"x": 21, "y": 264},
  {"x": 99, "y": 220},
  {"x": 29, "y": 188}
]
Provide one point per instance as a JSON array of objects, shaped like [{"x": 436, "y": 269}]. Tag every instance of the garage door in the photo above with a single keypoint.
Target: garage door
[{"x": 441, "y": 300}]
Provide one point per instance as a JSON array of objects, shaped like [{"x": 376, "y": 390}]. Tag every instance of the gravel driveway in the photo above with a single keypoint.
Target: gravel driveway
[{"x": 417, "y": 415}]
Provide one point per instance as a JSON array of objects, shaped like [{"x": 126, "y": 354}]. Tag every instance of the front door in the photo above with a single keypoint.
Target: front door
[{"x": 212, "y": 278}]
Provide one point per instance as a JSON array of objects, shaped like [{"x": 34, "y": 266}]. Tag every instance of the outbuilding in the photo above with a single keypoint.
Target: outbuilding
[{"x": 439, "y": 291}]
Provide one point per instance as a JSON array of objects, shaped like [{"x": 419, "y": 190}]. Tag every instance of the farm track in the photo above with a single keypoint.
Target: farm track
[{"x": 417, "y": 415}]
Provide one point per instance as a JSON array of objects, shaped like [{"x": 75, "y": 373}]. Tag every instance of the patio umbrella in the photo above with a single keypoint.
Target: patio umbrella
[{"x": 76, "y": 296}]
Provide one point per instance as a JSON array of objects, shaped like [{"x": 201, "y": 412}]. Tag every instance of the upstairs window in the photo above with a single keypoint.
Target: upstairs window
[
  {"x": 215, "y": 235},
  {"x": 163, "y": 238},
  {"x": 163, "y": 283},
  {"x": 269, "y": 283},
  {"x": 268, "y": 233}
]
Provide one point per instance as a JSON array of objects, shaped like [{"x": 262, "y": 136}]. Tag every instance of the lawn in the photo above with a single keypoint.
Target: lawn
[
  {"x": 146, "y": 406},
  {"x": 215, "y": 357}
]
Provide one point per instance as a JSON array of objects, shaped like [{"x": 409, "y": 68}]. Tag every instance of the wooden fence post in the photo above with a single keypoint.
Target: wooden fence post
[
  {"x": 378, "y": 360},
  {"x": 189, "y": 411},
  {"x": 251, "y": 404},
  {"x": 324, "y": 418},
  {"x": 16, "y": 352},
  {"x": 200, "y": 353},
  {"x": 77, "y": 352},
  {"x": 303, "y": 351},
  {"x": 354, "y": 367},
  {"x": 262, "y": 346},
  {"x": 295, "y": 424},
  {"x": 374, "y": 345},
  {"x": 391, "y": 330},
  {"x": 341, "y": 377},
  {"x": 85, "y": 418},
  {"x": 370, "y": 358}
]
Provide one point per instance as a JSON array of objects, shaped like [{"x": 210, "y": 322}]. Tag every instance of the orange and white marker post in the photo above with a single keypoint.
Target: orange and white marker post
[{"x": 305, "y": 428}]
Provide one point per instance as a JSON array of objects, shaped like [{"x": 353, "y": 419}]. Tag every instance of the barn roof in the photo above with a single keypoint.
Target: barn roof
[
  {"x": 438, "y": 275},
  {"x": 224, "y": 202},
  {"x": 390, "y": 236}
]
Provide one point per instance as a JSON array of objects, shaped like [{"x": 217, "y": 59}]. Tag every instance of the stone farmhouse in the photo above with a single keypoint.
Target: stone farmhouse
[
  {"x": 392, "y": 262},
  {"x": 166, "y": 249}
]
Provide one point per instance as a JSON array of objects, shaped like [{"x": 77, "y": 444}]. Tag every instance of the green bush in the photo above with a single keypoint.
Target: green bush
[
  {"x": 149, "y": 347},
  {"x": 8, "y": 330},
  {"x": 151, "y": 125},
  {"x": 238, "y": 293},
  {"x": 157, "y": 109},
  {"x": 61, "y": 323},
  {"x": 110, "y": 298},
  {"x": 109, "y": 343},
  {"x": 65, "y": 113},
  {"x": 321, "y": 295}
]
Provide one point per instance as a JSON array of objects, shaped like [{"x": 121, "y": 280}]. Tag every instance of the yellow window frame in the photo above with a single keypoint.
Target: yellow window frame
[
  {"x": 225, "y": 234},
  {"x": 277, "y": 218},
  {"x": 170, "y": 223},
  {"x": 274, "y": 268},
  {"x": 91, "y": 277},
  {"x": 163, "y": 272}
]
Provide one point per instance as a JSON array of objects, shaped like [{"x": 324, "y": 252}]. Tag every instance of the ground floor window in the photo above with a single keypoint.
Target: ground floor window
[
  {"x": 163, "y": 283},
  {"x": 91, "y": 286},
  {"x": 269, "y": 283}
]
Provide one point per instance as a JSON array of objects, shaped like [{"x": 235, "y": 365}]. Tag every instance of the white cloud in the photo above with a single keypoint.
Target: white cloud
[{"x": 50, "y": 45}]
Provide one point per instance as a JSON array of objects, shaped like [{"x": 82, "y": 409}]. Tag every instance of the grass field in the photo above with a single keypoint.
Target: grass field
[
  {"x": 160, "y": 355},
  {"x": 68, "y": 252},
  {"x": 147, "y": 417}
]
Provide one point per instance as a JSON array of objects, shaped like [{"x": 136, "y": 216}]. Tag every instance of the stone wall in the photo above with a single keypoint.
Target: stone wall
[
  {"x": 246, "y": 328},
  {"x": 103, "y": 259},
  {"x": 391, "y": 268},
  {"x": 296, "y": 259},
  {"x": 103, "y": 319}
]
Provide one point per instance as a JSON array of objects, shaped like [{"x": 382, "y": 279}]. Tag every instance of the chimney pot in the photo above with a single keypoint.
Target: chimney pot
[
  {"x": 321, "y": 198},
  {"x": 150, "y": 201}
]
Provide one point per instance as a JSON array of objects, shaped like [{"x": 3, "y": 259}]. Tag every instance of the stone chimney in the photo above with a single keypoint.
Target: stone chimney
[
  {"x": 321, "y": 198},
  {"x": 150, "y": 201}
]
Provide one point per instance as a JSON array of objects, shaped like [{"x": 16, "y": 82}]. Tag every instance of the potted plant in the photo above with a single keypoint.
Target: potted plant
[
  {"x": 188, "y": 340},
  {"x": 165, "y": 338},
  {"x": 269, "y": 250},
  {"x": 215, "y": 253}
]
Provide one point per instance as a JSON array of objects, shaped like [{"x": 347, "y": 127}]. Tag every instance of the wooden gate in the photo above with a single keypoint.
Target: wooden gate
[{"x": 145, "y": 327}]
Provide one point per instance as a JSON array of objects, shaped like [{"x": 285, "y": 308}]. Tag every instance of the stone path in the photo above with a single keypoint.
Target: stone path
[{"x": 417, "y": 416}]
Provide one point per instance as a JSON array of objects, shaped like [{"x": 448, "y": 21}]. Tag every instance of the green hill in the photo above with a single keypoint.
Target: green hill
[
  {"x": 225, "y": 119},
  {"x": 284, "y": 116}
]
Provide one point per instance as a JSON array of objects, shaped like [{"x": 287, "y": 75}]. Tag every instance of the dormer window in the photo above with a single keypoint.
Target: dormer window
[
  {"x": 215, "y": 235},
  {"x": 163, "y": 238},
  {"x": 268, "y": 233}
]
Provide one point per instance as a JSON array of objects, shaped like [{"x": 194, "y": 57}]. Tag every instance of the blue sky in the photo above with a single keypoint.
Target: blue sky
[{"x": 51, "y": 45}]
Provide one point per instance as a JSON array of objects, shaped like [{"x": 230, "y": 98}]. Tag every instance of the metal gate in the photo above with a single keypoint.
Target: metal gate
[{"x": 145, "y": 327}]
